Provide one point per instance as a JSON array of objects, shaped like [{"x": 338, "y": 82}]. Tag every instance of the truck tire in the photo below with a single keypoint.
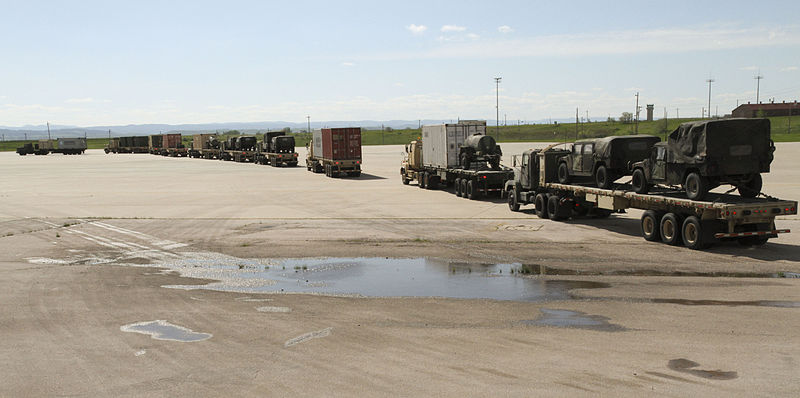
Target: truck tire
[
  {"x": 513, "y": 204},
  {"x": 471, "y": 194},
  {"x": 422, "y": 181},
  {"x": 751, "y": 188},
  {"x": 457, "y": 187},
  {"x": 670, "y": 229},
  {"x": 639, "y": 182},
  {"x": 602, "y": 177},
  {"x": 563, "y": 173},
  {"x": 555, "y": 211},
  {"x": 694, "y": 235},
  {"x": 464, "y": 188},
  {"x": 428, "y": 184},
  {"x": 406, "y": 180},
  {"x": 541, "y": 205},
  {"x": 433, "y": 182},
  {"x": 696, "y": 186},
  {"x": 650, "y": 226}
]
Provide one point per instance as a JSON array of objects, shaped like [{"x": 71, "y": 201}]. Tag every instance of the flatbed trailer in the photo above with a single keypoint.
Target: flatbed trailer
[
  {"x": 470, "y": 183},
  {"x": 274, "y": 159},
  {"x": 238, "y": 155},
  {"x": 204, "y": 153},
  {"x": 669, "y": 216}
]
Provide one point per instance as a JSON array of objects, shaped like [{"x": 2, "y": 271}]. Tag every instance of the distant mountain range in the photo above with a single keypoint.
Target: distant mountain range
[{"x": 64, "y": 131}]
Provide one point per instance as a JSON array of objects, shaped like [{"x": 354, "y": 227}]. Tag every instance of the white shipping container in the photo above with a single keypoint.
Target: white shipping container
[
  {"x": 316, "y": 149},
  {"x": 441, "y": 143}
]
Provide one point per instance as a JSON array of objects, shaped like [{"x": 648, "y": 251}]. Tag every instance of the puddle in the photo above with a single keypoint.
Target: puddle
[
  {"x": 687, "y": 366},
  {"x": 377, "y": 277},
  {"x": 573, "y": 319},
  {"x": 754, "y": 303},
  {"x": 163, "y": 330}
]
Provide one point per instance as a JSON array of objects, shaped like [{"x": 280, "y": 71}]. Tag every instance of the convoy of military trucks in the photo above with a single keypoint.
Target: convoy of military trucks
[{"x": 670, "y": 181}]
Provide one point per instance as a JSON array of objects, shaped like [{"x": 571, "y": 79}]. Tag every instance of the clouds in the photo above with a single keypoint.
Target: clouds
[
  {"x": 452, "y": 28},
  {"x": 789, "y": 69},
  {"x": 348, "y": 64},
  {"x": 87, "y": 100},
  {"x": 417, "y": 29},
  {"x": 504, "y": 29}
]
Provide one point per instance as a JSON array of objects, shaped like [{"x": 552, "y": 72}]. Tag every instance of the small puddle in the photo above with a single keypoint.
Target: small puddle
[
  {"x": 573, "y": 319},
  {"x": 381, "y": 277},
  {"x": 687, "y": 366},
  {"x": 163, "y": 330}
]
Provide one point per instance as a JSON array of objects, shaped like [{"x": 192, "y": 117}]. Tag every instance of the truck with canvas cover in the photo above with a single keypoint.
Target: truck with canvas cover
[
  {"x": 277, "y": 150},
  {"x": 42, "y": 147},
  {"x": 134, "y": 144},
  {"x": 336, "y": 151},
  {"x": 458, "y": 155},
  {"x": 240, "y": 149},
  {"x": 668, "y": 216},
  {"x": 71, "y": 146},
  {"x": 702, "y": 155},
  {"x": 604, "y": 160}
]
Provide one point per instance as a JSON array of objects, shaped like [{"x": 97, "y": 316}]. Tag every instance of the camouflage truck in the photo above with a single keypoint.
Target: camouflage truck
[{"x": 702, "y": 155}]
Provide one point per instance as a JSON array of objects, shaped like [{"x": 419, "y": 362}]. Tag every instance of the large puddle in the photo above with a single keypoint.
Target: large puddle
[{"x": 379, "y": 277}]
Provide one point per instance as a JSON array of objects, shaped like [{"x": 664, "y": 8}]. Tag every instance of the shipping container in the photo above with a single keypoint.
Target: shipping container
[
  {"x": 442, "y": 142},
  {"x": 172, "y": 141},
  {"x": 140, "y": 141},
  {"x": 341, "y": 143},
  {"x": 336, "y": 151},
  {"x": 71, "y": 146},
  {"x": 200, "y": 141}
]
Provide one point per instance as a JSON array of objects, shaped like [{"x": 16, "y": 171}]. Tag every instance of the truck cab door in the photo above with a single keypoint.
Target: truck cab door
[
  {"x": 525, "y": 172},
  {"x": 659, "y": 163},
  {"x": 576, "y": 157},
  {"x": 586, "y": 159}
]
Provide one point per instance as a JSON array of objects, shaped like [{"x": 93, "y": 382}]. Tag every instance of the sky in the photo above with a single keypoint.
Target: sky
[{"x": 93, "y": 63}]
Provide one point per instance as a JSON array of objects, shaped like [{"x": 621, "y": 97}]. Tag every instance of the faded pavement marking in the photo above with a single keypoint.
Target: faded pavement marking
[{"x": 308, "y": 336}]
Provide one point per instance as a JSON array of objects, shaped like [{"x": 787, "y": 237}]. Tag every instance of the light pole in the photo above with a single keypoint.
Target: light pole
[
  {"x": 709, "y": 81},
  {"x": 497, "y": 105},
  {"x": 758, "y": 84}
]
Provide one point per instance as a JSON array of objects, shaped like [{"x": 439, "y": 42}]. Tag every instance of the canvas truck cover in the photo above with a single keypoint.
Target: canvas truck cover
[
  {"x": 621, "y": 149},
  {"x": 739, "y": 145}
]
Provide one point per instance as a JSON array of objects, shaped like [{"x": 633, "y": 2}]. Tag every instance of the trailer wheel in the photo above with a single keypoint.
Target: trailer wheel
[
  {"x": 696, "y": 186},
  {"x": 471, "y": 190},
  {"x": 555, "y": 210},
  {"x": 513, "y": 204},
  {"x": 650, "y": 226},
  {"x": 670, "y": 229},
  {"x": 428, "y": 179},
  {"x": 406, "y": 181},
  {"x": 540, "y": 203},
  {"x": 422, "y": 179},
  {"x": 639, "y": 182},
  {"x": 602, "y": 178},
  {"x": 433, "y": 182},
  {"x": 464, "y": 188},
  {"x": 751, "y": 188},
  {"x": 694, "y": 235},
  {"x": 457, "y": 187},
  {"x": 563, "y": 173}
]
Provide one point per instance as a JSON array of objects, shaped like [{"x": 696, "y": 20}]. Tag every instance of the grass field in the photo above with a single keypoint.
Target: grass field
[{"x": 523, "y": 133}]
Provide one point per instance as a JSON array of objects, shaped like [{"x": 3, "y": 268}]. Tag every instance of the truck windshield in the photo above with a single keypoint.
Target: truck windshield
[{"x": 587, "y": 149}]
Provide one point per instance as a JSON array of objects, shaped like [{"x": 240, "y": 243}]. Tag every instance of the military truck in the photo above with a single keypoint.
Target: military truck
[
  {"x": 241, "y": 148},
  {"x": 460, "y": 155},
  {"x": 336, "y": 151},
  {"x": 155, "y": 143},
  {"x": 277, "y": 150},
  {"x": 43, "y": 147},
  {"x": 173, "y": 146},
  {"x": 668, "y": 216},
  {"x": 70, "y": 146},
  {"x": 604, "y": 160},
  {"x": 702, "y": 155}
]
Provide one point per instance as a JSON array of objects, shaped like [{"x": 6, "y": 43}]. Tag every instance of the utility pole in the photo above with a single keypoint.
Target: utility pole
[
  {"x": 309, "y": 123},
  {"x": 637, "y": 113},
  {"x": 677, "y": 113},
  {"x": 48, "y": 130},
  {"x": 758, "y": 84},
  {"x": 709, "y": 81},
  {"x": 577, "y": 122},
  {"x": 587, "y": 116},
  {"x": 666, "y": 124},
  {"x": 497, "y": 104},
  {"x": 703, "y": 113}
]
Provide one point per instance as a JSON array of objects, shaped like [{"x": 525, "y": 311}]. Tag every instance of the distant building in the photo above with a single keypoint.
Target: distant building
[
  {"x": 768, "y": 109},
  {"x": 650, "y": 108}
]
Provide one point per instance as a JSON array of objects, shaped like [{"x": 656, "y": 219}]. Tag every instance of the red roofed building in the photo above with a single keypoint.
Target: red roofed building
[{"x": 766, "y": 110}]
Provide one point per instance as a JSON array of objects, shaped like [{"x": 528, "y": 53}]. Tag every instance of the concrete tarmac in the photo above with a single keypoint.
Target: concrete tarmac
[{"x": 88, "y": 242}]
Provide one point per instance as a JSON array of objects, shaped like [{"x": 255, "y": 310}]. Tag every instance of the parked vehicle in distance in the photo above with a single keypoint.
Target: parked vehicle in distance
[
  {"x": 205, "y": 146},
  {"x": 71, "y": 146},
  {"x": 135, "y": 144},
  {"x": 277, "y": 150},
  {"x": 702, "y": 155},
  {"x": 336, "y": 151},
  {"x": 155, "y": 143},
  {"x": 43, "y": 147},
  {"x": 458, "y": 155},
  {"x": 173, "y": 146},
  {"x": 604, "y": 159}
]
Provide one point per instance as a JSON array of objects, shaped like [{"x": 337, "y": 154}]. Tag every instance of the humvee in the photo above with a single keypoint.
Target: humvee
[
  {"x": 702, "y": 155},
  {"x": 604, "y": 159}
]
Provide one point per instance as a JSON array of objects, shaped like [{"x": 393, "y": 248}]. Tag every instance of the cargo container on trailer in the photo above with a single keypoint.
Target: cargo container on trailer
[{"x": 336, "y": 151}]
